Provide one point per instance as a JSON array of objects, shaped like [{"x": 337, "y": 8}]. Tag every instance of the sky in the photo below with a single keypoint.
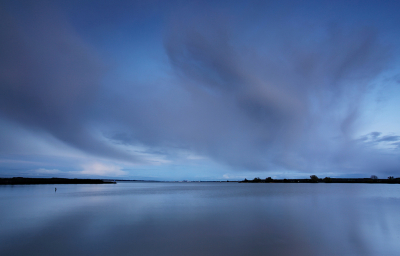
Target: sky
[{"x": 199, "y": 90}]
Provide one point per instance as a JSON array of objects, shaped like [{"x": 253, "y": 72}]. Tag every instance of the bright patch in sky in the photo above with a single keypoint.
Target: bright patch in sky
[{"x": 99, "y": 169}]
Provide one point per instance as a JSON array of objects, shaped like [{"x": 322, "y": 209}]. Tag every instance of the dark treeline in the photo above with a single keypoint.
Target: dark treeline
[
  {"x": 315, "y": 179},
  {"x": 31, "y": 181}
]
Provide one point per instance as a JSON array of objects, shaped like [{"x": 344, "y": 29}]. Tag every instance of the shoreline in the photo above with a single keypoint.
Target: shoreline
[
  {"x": 41, "y": 181},
  {"x": 390, "y": 180}
]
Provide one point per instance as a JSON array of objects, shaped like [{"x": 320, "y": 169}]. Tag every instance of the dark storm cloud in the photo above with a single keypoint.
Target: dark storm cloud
[
  {"x": 263, "y": 100},
  {"x": 49, "y": 77},
  {"x": 280, "y": 97}
]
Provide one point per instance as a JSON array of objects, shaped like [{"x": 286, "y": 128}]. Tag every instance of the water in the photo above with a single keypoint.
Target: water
[{"x": 200, "y": 219}]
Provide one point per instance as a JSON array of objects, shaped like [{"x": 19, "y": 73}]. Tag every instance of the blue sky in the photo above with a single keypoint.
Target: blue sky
[{"x": 199, "y": 90}]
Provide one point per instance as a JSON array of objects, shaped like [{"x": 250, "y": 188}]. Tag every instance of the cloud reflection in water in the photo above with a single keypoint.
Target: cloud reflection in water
[{"x": 200, "y": 219}]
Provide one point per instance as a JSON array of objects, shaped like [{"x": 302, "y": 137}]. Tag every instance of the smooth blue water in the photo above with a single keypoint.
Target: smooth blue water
[{"x": 200, "y": 219}]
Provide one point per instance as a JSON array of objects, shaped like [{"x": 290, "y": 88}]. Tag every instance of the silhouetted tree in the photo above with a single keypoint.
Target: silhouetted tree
[
  {"x": 314, "y": 178},
  {"x": 257, "y": 179},
  {"x": 269, "y": 179},
  {"x": 374, "y": 178},
  {"x": 327, "y": 180},
  {"x": 391, "y": 178}
]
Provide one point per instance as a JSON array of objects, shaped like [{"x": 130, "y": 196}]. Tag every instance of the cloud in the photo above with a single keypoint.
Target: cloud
[
  {"x": 285, "y": 96},
  {"x": 50, "y": 78},
  {"x": 266, "y": 88},
  {"x": 100, "y": 169},
  {"x": 259, "y": 105},
  {"x": 47, "y": 171},
  {"x": 377, "y": 137},
  {"x": 389, "y": 138},
  {"x": 225, "y": 176}
]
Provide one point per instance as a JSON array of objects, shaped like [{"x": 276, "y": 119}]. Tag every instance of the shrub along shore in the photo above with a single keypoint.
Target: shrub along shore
[
  {"x": 315, "y": 179},
  {"x": 33, "y": 181}
]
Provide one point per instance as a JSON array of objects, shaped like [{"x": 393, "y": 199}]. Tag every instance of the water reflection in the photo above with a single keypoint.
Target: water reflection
[{"x": 200, "y": 219}]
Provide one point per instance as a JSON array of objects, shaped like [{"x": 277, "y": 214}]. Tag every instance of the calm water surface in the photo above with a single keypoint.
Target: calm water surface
[{"x": 200, "y": 219}]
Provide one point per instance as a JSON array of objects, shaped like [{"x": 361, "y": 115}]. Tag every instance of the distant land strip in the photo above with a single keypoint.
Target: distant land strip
[
  {"x": 315, "y": 179},
  {"x": 33, "y": 181}
]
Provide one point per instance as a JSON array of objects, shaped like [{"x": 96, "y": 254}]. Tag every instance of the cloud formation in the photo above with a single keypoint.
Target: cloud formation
[
  {"x": 43, "y": 171},
  {"x": 50, "y": 79},
  {"x": 258, "y": 88},
  {"x": 293, "y": 103},
  {"x": 99, "y": 169}
]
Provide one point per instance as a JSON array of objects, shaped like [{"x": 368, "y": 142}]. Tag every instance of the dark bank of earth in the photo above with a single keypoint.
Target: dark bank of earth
[
  {"x": 32, "y": 181},
  {"x": 315, "y": 179}
]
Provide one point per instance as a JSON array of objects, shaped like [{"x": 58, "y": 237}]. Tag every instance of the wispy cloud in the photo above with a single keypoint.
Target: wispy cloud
[
  {"x": 100, "y": 169},
  {"x": 47, "y": 171},
  {"x": 377, "y": 138}
]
